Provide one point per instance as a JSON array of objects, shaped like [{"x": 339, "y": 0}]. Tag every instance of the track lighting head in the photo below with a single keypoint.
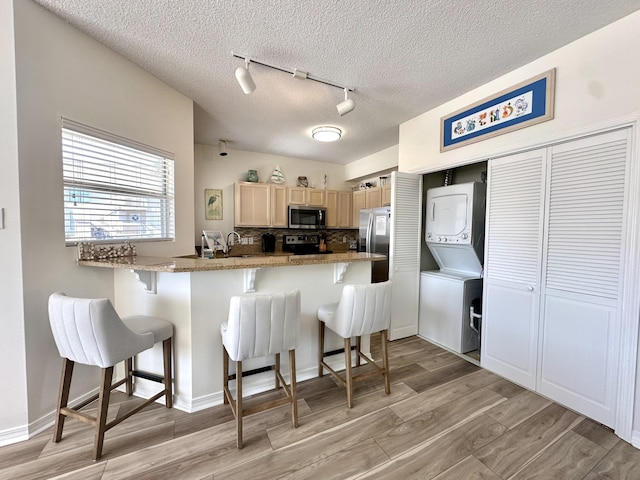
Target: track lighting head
[
  {"x": 347, "y": 106},
  {"x": 222, "y": 148},
  {"x": 244, "y": 78}
]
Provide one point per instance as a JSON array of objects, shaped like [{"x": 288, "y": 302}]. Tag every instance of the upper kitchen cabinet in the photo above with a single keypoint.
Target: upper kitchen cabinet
[
  {"x": 306, "y": 196},
  {"x": 260, "y": 205},
  {"x": 368, "y": 198},
  {"x": 279, "y": 211},
  {"x": 386, "y": 195},
  {"x": 338, "y": 205}
]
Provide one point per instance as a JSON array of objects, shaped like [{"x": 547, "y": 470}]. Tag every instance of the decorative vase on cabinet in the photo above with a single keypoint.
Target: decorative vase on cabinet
[{"x": 252, "y": 176}]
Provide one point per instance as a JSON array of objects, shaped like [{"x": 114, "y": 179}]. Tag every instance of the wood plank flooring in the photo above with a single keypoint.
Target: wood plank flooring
[{"x": 445, "y": 419}]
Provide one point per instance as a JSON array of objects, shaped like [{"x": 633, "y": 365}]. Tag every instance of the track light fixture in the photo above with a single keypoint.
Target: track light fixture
[
  {"x": 222, "y": 148},
  {"x": 326, "y": 134},
  {"x": 244, "y": 78},
  {"x": 347, "y": 106},
  {"x": 247, "y": 84}
]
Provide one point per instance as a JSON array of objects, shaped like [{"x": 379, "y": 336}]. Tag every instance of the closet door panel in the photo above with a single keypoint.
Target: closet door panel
[
  {"x": 513, "y": 255},
  {"x": 582, "y": 274},
  {"x": 577, "y": 360}
]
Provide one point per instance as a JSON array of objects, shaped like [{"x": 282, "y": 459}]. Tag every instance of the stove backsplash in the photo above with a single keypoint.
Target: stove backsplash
[{"x": 335, "y": 238}]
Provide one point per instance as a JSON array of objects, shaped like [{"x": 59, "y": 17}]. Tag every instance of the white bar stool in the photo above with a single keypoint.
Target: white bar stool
[
  {"x": 90, "y": 332},
  {"x": 362, "y": 310},
  {"x": 258, "y": 326}
]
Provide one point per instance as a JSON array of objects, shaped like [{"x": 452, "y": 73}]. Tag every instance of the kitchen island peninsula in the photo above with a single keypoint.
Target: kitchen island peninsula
[{"x": 194, "y": 293}]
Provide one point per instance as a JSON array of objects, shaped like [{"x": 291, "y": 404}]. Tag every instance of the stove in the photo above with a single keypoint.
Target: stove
[{"x": 301, "y": 244}]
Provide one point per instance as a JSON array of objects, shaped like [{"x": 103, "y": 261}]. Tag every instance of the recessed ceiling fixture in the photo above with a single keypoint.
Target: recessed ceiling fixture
[
  {"x": 222, "y": 147},
  {"x": 248, "y": 85},
  {"x": 326, "y": 134}
]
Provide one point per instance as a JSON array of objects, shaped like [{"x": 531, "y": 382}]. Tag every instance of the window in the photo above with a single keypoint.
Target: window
[{"x": 114, "y": 189}]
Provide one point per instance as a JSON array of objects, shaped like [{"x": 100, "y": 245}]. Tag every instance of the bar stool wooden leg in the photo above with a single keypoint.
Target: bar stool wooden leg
[
  {"x": 277, "y": 369},
  {"x": 239, "y": 402},
  {"x": 347, "y": 361},
  {"x": 292, "y": 388},
  {"x": 225, "y": 374},
  {"x": 385, "y": 361},
  {"x": 103, "y": 406},
  {"x": 320, "y": 348},
  {"x": 168, "y": 387},
  {"x": 128, "y": 368},
  {"x": 63, "y": 397},
  {"x": 358, "y": 347}
]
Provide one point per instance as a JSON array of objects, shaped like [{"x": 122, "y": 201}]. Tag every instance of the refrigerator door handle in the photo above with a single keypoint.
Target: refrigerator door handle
[
  {"x": 369, "y": 232},
  {"x": 433, "y": 210}
]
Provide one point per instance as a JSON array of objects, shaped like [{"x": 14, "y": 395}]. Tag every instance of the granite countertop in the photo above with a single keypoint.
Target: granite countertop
[{"x": 185, "y": 264}]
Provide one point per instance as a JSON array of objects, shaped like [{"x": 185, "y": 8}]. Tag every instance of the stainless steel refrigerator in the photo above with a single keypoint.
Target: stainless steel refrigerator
[{"x": 373, "y": 237}]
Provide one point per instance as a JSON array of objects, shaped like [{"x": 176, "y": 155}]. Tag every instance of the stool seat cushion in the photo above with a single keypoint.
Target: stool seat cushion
[{"x": 142, "y": 324}]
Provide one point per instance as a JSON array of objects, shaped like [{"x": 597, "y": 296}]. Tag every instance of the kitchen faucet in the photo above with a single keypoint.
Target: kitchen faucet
[{"x": 228, "y": 244}]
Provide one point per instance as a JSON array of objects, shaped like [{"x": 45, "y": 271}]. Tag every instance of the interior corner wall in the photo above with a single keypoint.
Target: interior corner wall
[
  {"x": 380, "y": 162},
  {"x": 596, "y": 80},
  {"x": 214, "y": 171},
  {"x": 13, "y": 414},
  {"x": 62, "y": 72}
]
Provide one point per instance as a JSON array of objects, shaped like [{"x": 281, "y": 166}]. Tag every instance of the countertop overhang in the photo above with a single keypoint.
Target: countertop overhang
[{"x": 181, "y": 264}]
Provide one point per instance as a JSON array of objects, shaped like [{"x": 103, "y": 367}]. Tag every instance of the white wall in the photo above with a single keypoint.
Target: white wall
[
  {"x": 380, "y": 162},
  {"x": 13, "y": 413},
  {"x": 61, "y": 72},
  {"x": 214, "y": 171},
  {"x": 597, "y": 78}
]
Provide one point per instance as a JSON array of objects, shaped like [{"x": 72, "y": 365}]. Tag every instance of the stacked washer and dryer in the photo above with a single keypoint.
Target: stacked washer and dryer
[{"x": 454, "y": 233}]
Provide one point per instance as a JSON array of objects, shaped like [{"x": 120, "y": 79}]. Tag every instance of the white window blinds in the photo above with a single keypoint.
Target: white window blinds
[{"x": 115, "y": 189}]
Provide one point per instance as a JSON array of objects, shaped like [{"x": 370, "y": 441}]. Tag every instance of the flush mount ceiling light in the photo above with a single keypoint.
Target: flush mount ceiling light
[
  {"x": 326, "y": 134},
  {"x": 247, "y": 84}
]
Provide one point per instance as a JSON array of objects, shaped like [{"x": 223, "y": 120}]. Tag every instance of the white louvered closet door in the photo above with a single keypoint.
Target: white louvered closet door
[
  {"x": 513, "y": 254},
  {"x": 404, "y": 253},
  {"x": 582, "y": 274}
]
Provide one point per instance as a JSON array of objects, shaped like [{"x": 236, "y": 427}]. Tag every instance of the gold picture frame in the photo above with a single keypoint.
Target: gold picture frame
[{"x": 213, "y": 204}]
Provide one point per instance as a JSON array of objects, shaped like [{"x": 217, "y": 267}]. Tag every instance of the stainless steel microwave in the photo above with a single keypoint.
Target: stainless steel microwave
[{"x": 305, "y": 217}]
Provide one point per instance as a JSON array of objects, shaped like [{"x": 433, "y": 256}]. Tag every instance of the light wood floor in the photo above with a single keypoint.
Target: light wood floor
[{"x": 445, "y": 419}]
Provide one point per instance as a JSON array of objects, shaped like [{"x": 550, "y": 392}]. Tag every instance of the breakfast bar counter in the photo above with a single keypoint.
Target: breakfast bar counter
[
  {"x": 194, "y": 294},
  {"x": 188, "y": 264}
]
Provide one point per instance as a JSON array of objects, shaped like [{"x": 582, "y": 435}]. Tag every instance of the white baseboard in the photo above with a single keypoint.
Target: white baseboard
[
  {"x": 25, "y": 432},
  {"x": 635, "y": 439}
]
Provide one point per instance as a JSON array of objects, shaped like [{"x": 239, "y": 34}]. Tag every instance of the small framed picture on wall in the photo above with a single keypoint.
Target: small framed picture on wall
[{"x": 213, "y": 204}]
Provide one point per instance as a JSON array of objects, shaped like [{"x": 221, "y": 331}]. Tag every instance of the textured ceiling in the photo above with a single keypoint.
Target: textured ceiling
[{"x": 403, "y": 57}]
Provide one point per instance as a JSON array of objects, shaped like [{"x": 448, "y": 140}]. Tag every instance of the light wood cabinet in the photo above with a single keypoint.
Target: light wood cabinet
[
  {"x": 260, "y": 205},
  {"x": 386, "y": 195},
  {"x": 338, "y": 205},
  {"x": 306, "y": 196},
  {"x": 369, "y": 198},
  {"x": 279, "y": 207}
]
